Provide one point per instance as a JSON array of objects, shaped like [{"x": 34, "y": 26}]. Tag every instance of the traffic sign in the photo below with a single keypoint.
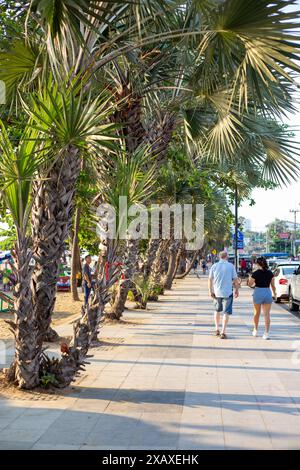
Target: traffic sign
[
  {"x": 240, "y": 240},
  {"x": 240, "y": 244},
  {"x": 240, "y": 236}
]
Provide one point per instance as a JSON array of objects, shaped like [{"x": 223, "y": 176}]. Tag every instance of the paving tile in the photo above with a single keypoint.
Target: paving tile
[
  {"x": 54, "y": 447},
  {"x": 14, "y": 445},
  {"x": 10, "y": 433},
  {"x": 171, "y": 385}
]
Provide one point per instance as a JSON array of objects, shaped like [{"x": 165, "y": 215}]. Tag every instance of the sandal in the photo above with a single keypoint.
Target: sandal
[
  {"x": 223, "y": 336},
  {"x": 216, "y": 333}
]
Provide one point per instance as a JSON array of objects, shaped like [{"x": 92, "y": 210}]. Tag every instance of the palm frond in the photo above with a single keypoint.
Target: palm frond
[
  {"x": 18, "y": 168},
  {"x": 21, "y": 66},
  {"x": 64, "y": 116},
  {"x": 255, "y": 43}
]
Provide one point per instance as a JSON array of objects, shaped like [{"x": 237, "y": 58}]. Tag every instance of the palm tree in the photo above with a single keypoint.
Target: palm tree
[
  {"x": 126, "y": 177},
  {"x": 76, "y": 127},
  {"x": 19, "y": 165},
  {"x": 72, "y": 39},
  {"x": 250, "y": 67},
  {"x": 187, "y": 185}
]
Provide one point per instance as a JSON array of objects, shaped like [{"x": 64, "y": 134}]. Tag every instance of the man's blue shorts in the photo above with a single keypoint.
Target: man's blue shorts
[{"x": 224, "y": 304}]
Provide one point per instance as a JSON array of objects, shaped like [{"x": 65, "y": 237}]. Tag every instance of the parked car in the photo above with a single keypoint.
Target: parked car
[
  {"x": 283, "y": 272},
  {"x": 273, "y": 262},
  {"x": 294, "y": 291}
]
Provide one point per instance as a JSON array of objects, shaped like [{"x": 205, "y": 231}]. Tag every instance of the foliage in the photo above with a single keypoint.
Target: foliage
[
  {"x": 275, "y": 243},
  {"x": 48, "y": 379},
  {"x": 8, "y": 232}
]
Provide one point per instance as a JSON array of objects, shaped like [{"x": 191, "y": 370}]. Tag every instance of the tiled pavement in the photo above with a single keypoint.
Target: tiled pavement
[{"x": 166, "y": 382}]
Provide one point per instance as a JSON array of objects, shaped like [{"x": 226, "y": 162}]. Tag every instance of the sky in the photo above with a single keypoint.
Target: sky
[{"x": 276, "y": 203}]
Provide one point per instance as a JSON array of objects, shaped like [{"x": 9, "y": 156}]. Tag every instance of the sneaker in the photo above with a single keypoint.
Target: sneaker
[
  {"x": 254, "y": 332},
  {"x": 266, "y": 336}
]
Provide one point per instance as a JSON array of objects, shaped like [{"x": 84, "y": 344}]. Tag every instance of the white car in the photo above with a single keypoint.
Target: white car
[
  {"x": 283, "y": 273},
  {"x": 294, "y": 292},
  {"x": 272, "y": 262}
]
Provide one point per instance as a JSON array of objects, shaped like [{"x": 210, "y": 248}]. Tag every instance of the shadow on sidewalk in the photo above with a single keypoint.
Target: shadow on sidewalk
[{"x": 236, "y": 402}]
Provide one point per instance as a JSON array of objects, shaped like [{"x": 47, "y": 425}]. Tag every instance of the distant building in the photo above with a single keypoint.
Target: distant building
[
  {"x": 247, "y": 225},
  {"x": 291, "y": 225}
]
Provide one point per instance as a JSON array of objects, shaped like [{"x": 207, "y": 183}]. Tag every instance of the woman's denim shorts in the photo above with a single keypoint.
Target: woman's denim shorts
[{"x": 262, "y": 295}]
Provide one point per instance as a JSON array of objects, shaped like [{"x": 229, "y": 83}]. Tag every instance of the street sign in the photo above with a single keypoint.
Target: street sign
[
  {"x": 240, "y": 236},
  {"x": 214, "y": 252},
  {"x": 240, "y": 240},
  {"x": 240, "y": 245}
]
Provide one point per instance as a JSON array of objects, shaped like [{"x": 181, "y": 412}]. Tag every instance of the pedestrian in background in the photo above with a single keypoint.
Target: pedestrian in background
[
  {"x": 87, "y": 279},
  {"x": 262, "y": 279}
]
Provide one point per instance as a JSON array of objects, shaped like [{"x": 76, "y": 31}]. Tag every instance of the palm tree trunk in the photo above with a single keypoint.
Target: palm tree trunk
[
  {"x": 151, "y": 253},
  {"x": 173, "y": 248},
  {"x": 106, "y": 277},
  {"x": 74, "y": 357},
  {"x": 130, "y": 270},
  {"x": 51, "y": 220},
  {"x": 25, "y": 367},
  {"x": 155, "y": 279},
  {"x": 75, "y": 256},
  {"x": 159, "y": 136},
  {"x": 178, "y": 258},
  {"x": 181, "y": 276}
]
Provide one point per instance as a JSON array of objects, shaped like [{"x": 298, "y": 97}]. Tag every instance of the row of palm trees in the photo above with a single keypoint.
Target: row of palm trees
[{"x": 121, "y": 90}]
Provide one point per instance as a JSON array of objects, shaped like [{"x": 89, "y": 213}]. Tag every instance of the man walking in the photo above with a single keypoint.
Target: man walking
[
  {"x": 87, "y": 279},
  {"x": 222, "y": 277}
]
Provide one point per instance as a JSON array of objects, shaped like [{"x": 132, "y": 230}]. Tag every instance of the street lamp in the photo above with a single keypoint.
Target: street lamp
[
  {"x": 236, "y": 220},
  {"x": 294, "y": 211}
]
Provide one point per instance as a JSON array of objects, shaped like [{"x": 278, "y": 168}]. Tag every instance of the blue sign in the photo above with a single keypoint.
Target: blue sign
[
  {"x": 240, "y": 240},
  {"x": 240, "y": 245},
  {"x": 240, "y": 236}
]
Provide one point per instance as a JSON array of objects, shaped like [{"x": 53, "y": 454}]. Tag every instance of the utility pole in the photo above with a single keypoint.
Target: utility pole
[
  {"x": 236, "y": 227},
  {"x": 294, "y": 211}
]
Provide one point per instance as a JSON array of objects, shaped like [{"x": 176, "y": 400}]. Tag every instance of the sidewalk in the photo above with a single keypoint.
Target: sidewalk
[{"x": 163, "y": 381}]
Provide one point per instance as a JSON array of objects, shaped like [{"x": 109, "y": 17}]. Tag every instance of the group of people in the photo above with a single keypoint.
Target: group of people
[
  {"x": 223, "y": 285},
  {"x": 203, "y": 264}
]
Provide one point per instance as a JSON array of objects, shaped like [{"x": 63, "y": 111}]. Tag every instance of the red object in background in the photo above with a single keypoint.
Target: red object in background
[
  {"x": 63, "y": 283},
  {"x": 64, "y": 348},
  {"x": 107, "y": 271},
  {"x": 283, "y": 281},
  {"x": 284, "y": 235},
  {"x": 243, "y": 264}
]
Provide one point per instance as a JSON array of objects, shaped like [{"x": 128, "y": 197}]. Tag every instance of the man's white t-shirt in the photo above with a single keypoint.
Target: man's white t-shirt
[{"x": 222, "y": 274}]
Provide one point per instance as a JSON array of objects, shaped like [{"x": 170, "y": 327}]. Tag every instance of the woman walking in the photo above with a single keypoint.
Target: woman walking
[{"x": 262, "y": 279}]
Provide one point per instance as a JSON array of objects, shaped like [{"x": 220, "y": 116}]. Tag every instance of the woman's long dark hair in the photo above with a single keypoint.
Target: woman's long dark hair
[{"x": 262, "y": 262}]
